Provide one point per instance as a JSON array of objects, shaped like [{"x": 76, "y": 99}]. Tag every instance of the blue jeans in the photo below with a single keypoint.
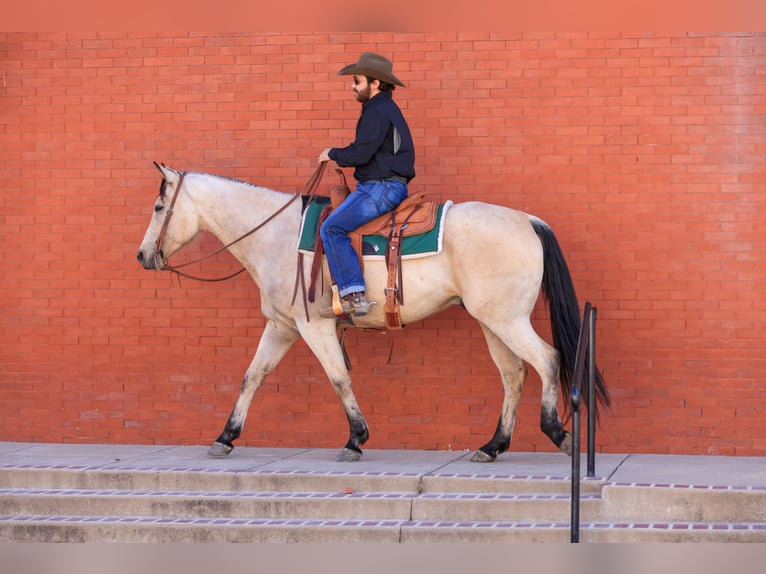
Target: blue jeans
[{"x": 371, "y": 199}]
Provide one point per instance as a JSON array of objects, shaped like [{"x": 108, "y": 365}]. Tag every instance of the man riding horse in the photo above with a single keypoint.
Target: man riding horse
[
  {"x": 383, "y": 156},
  {"x": 496, "y": 272}
]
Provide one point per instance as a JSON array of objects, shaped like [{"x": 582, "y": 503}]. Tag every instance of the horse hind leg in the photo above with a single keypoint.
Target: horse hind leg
[
  {"x": 548, "y": 364},
  {"x": 513, "y": 373},
  {"x": 522, "y": 339},
  {"x": 275, "y": 342}
]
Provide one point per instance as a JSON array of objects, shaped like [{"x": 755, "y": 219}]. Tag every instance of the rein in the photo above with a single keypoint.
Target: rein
[{"x": 308, "y": 189}]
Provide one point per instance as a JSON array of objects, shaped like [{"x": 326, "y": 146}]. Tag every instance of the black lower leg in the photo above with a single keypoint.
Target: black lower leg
[
  {"x": 500, "y": 442},
  {"x": 230, "y": 433},
  {"x": 353, "y": 445},
  {"x": 358, "y": 434},
  {"x": 551, "y": 426}
]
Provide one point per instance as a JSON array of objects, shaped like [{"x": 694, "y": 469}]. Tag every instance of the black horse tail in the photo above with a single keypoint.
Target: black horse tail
[{"x": 559, "y": 291}]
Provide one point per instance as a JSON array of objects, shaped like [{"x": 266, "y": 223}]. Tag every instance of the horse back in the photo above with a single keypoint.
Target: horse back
[
  {"x": 492, "y": 248},
  {"x": 490, "y": 224}
]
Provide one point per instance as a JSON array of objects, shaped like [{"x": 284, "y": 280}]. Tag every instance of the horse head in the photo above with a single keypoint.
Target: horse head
[{"x": 174, "y": 223}]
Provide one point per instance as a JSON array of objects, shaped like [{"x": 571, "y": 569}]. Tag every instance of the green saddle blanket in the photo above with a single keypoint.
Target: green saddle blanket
[{"x": 421, "y": 245}]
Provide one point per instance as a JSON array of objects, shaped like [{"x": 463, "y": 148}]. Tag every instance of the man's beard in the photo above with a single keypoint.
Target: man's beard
[{"x": 363, "y": 96}]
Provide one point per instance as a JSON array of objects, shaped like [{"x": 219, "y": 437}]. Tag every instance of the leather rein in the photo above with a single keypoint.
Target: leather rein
[{"x": 308, "y": 189}]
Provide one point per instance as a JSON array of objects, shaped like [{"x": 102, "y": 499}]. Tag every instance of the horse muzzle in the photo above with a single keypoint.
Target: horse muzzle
[{"x": 151, "y": 259}]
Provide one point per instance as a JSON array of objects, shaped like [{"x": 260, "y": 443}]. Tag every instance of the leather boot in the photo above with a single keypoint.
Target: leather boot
[{"x": 353, "y": 304}]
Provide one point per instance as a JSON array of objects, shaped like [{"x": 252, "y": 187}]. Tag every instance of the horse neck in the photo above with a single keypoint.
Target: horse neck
[{"x": 229, "y": 209}]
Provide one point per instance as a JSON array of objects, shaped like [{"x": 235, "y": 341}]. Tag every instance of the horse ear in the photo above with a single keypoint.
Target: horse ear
[{"x": 169, "y": 174}]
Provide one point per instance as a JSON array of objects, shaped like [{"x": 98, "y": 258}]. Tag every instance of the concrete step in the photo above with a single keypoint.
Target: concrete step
[
  {"x": 190, "y": 478},
  {"x": 45, "y": 528},
  {"x": 134, "y": 467},
  {"x": 620, "y": 532},
  {"x": 211, "y": 504},
  {"x": 139, "y": 477},
  {"x": 102, "y": 493},
  {"x": 490, "y": 507},
  {"x": 673, "y": 532},
  {"x": 41, "y": 528},
  {"x": 640, "y": 502},
  {"x": 540, "y": 483},
  {"x": 198, "y": 504},
  {"x": 175, "y": 516}
]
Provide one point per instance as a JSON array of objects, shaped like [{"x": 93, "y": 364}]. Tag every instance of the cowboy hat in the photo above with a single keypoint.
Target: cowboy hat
[{"x": 374, "y": 66}]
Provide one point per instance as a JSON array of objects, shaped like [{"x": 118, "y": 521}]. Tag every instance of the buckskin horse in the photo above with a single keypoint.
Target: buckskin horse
[{"x": 494, "y": 262}]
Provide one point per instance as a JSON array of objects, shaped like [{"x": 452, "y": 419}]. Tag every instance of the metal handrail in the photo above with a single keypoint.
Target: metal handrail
[{"x": 586, "y": 344}]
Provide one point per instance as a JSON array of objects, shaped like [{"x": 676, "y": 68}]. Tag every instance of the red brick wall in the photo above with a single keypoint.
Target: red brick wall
[{"x": 645, "y": 154}]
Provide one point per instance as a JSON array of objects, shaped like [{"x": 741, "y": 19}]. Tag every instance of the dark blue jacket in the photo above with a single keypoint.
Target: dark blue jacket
[{"x": 373, "y": 152}]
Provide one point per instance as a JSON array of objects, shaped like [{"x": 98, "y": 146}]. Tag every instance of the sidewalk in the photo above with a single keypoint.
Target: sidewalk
[{"x": 649, "y": 469}]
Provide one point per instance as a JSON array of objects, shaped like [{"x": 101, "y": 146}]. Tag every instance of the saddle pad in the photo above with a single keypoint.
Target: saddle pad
[{"x": 422, "y": 245}]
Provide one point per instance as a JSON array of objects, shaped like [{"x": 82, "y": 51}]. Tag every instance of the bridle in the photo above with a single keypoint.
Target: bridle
[
  {"x": 158, "y": 263},
  {"x": 308, "y": 189}
]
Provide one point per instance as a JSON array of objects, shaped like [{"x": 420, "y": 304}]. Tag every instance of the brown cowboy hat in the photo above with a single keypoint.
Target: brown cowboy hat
[{"x": 374, "y": 66}]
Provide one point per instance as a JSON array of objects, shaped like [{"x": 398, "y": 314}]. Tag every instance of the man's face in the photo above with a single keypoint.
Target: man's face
[{"x": 362, "y": 89}]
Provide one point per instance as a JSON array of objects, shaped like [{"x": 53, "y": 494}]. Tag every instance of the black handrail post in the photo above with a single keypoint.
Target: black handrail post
[
  {"x": 574, "y": 397},
  {"x": 592, "y": 393},
  {"x": 574, "y": 531}
]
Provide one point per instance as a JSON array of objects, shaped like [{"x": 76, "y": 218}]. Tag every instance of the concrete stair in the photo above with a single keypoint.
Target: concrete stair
[{"x": 174, "y": 494}]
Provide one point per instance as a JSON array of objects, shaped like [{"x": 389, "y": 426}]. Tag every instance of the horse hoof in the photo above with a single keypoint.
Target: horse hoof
[
  {"x": 348, "y": 455},
  {"x": 566, "y": 444},
  {"x": 481, "y": 456},
  {"x": 219, "y": 450}
]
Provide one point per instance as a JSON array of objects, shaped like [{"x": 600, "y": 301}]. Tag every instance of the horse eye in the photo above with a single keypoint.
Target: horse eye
[{"x": 159, "y": 207}]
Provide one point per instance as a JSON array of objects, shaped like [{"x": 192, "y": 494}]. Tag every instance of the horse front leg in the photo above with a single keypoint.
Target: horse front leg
[
  {"x": 358, "y": 430},
  {"x": 276, "y": 340},
  {"x": 322, "y": 339}
]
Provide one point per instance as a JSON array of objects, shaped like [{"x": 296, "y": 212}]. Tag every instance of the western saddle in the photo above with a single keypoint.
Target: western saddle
[{"x": 413, "y": 216}]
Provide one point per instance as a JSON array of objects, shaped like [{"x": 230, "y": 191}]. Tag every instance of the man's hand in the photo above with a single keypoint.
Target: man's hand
[{"x": 324, "y": 156}]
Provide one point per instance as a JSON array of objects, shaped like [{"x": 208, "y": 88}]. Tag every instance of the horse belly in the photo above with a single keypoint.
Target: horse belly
[{"x": 427, "y": 287}]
